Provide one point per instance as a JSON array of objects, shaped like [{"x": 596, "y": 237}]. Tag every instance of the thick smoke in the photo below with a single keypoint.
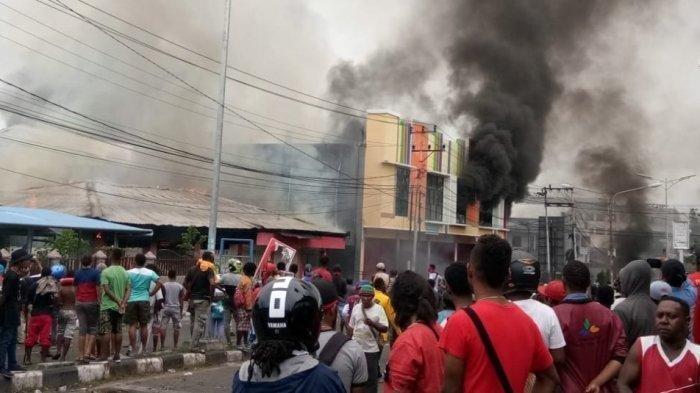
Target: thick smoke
[
  {"x": 503, "y": 60},
  {"x": 611, "y": 162},
  {"x": 609, "y": 169}
]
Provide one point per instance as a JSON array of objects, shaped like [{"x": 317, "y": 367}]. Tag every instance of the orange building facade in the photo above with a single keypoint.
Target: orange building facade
[{"x": 412, "y": 215}]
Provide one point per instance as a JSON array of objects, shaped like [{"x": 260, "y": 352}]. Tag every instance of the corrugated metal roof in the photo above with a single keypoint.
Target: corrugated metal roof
[
  {"x": 138, "y": 205},
  {"x": 28, "y": 217}
]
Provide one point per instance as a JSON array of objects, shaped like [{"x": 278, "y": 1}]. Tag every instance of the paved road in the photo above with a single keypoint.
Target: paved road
[{"x": 210, "y": 380}]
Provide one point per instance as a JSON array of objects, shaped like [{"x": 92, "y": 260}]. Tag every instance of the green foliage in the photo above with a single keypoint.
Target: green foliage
[
  {"x": 190, "y": 239},
  {"x": 69, "y": 244}
]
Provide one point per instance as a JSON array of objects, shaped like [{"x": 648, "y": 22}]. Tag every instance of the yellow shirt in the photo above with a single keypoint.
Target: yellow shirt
[{"x": 383, "y": 300}]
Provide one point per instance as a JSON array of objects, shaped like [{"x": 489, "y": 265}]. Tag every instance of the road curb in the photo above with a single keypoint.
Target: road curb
[{"x": 55, "y": 377}]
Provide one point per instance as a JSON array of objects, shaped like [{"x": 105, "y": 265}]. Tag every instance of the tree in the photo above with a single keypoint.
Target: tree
[
  {"x": 190, "y": 240},
  {"x": 69, "y": 244}
]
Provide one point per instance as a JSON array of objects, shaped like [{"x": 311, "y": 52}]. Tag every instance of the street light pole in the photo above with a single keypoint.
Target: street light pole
[
  {"x": 218, "y": 134},
  {"x": 667, "y": 184}
]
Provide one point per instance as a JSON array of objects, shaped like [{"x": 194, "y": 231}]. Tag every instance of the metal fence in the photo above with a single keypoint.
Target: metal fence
[{"x": 164, "y": 265}]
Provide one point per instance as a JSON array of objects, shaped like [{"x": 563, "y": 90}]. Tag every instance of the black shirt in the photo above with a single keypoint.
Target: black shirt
[
  {"x": 198, "y": 283},
  {"x": 9, "y": 312},
  {"x": 41, "y": 304}
]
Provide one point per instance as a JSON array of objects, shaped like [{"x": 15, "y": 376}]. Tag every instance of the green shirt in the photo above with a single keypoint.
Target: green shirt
[{"x": 117, "y": 279}]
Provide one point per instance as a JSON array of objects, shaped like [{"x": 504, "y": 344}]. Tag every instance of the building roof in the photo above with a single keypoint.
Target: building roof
[
  {"x": 40, "y": 218},
  {"x": 136, "y": 205}
]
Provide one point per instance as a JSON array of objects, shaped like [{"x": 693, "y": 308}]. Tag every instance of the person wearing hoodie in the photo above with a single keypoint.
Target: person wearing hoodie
[{"x": 638, "y": 310}]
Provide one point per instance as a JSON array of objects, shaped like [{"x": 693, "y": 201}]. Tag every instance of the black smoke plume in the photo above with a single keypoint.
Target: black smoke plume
[
  {"x": 516, "y": 49},
  {"x": 503, "y": 60},
  {"x": 610, "y": 170},
  {"x": 610, "y": 163}
]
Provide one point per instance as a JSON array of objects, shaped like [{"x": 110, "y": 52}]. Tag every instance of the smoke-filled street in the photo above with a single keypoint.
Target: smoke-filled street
[{"x": 315, "y": 190}]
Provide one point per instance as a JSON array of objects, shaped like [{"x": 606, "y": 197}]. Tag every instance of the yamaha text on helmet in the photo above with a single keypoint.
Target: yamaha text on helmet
[{"x": 288, "y": 309}]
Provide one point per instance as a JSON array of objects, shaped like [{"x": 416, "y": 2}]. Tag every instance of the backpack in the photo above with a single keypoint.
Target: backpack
[{"x": 238, "y": 298}]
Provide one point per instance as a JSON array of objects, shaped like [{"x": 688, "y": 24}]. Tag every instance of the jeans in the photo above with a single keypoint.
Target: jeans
[
  {"x": 8, "y": 347},
  {"x": 201, "y": 314},
  {"x": 372, "y": 371}
]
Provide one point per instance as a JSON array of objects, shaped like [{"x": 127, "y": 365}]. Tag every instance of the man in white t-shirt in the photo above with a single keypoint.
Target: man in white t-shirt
[
  {"x": 381, "y": 273},
  {"x": 367, "y": 322},
  {"x": 524, "y": 278}
]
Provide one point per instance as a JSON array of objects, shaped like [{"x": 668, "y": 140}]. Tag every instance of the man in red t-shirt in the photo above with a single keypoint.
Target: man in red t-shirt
[
  {"x": 667, "y": 362},
  {"x": 516, "y": 339},
  {"x": 596, "y": 344},
  {"x": 322, "y": 271}
]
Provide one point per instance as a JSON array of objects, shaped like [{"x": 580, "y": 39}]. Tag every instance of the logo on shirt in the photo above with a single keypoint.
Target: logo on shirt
[{"x": 588, "y": 328}]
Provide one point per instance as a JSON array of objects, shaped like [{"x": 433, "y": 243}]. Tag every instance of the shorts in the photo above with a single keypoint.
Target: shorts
[
  {"x": 171, "y": 314},
  {"x": 138, "y": 312},
  {"x": 88, "y": 317},
  {"x": 39, "y": 330},
  {"x": 67, "y": 323},
  {"x": 110, "y": 322}
]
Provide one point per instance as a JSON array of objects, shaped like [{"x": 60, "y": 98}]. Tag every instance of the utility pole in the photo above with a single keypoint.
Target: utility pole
[
  {"x": 359, "y": 203},
  {"x": 416, "y": 230},
  {"x": 545, "y": 192},
  {"x": 218, "y": 133}
]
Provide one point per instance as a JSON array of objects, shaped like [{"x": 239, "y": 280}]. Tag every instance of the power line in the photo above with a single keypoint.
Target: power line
[
  {"x": 179, "y": 152},
  {"x": 216, "y": 61},
  {"x": 163, "y": 203},
  {"x": 111, "y": 32},
  {"x": 199, "y": 91}
]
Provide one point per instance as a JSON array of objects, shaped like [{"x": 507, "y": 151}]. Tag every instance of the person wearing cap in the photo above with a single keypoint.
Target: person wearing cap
[
  {"x": 335, "y": 350},
  {"x": 596, "y": 345},
  {"x": 552, "y": 293},
  {"x": 381, "y": 273},
  {"x": 10, "y": 312},
  {"x": 524, "y": 278},
  {"x": 367, "y": 323},
  {"x": 659, "y": 289}
]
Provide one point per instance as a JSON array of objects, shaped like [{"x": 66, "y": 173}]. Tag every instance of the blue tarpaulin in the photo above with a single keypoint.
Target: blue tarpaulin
[{"x": 22, "y": 217}]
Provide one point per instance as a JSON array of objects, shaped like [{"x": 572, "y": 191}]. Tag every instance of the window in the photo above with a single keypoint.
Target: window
[
  {"x": 436, "y": 185},
  {"x": 402, "y": 186}
]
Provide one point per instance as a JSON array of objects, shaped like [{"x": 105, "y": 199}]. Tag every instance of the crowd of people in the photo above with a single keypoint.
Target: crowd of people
[{"x": 488, "y": 325}]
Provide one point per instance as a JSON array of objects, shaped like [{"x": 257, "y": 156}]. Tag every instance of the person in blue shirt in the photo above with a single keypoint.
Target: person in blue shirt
[
  {"x": 673, "y": 272},
  {"x": 287, "y": 319},
  {"x": 138, "y": 307}
]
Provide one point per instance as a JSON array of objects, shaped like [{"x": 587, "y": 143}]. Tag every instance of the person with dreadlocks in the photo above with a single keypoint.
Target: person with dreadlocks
[
  {"x": 416, "y": 360},
  {"x": 287, "y": 320}
]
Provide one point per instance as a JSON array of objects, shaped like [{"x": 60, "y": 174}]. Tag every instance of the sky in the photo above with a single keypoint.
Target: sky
[{"x": 654, "y": 58}]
